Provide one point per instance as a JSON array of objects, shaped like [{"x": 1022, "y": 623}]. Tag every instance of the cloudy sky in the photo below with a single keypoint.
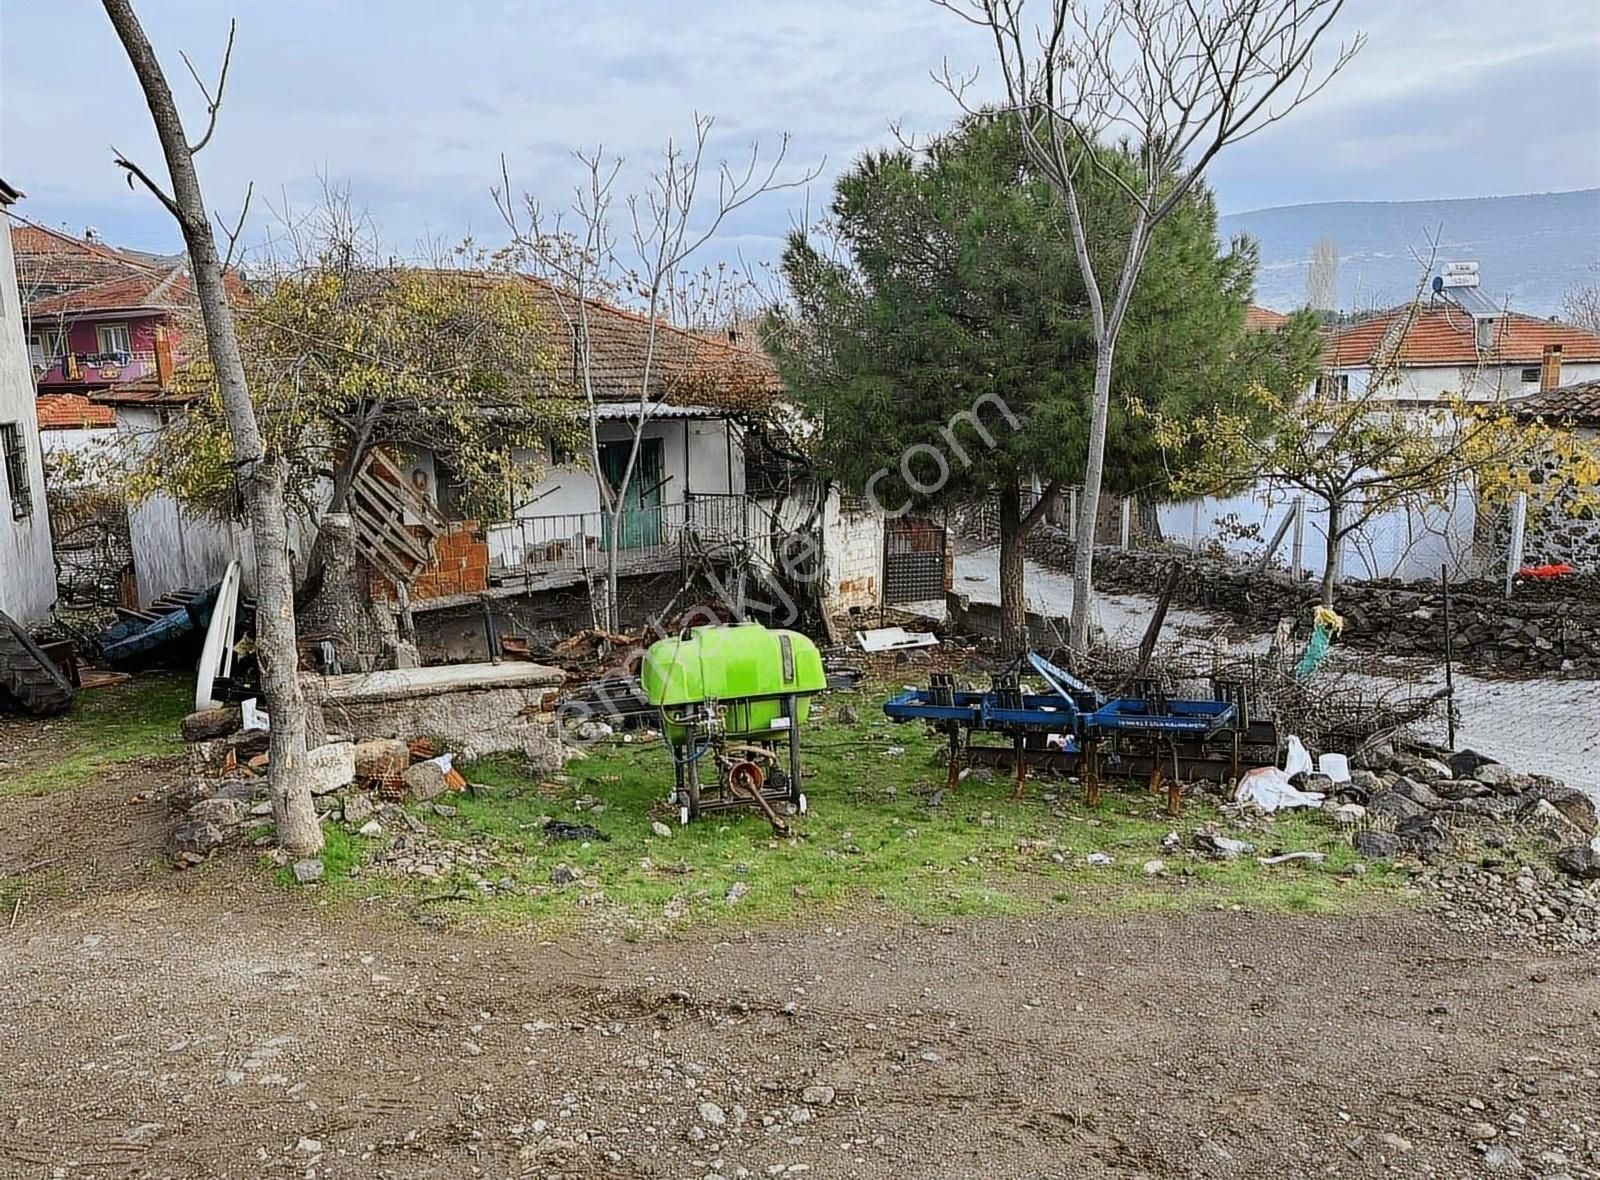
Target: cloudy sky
[{"x": 411, "y": 102}]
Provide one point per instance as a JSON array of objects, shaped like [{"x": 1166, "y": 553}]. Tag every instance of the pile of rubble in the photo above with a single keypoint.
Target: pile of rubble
[
  {"x": 1471, "y": 819},
  {"x": 360, "y": 785}
]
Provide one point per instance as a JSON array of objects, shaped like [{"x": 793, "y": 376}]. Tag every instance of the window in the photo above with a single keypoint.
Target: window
[
  {"x": 1530, "y": 376},
  {"x": 15, "y": 450},
  {"x": 1333, "y": 386},
  {"x": 46, "y": 346},
  {"x": 114, "y": 338}
]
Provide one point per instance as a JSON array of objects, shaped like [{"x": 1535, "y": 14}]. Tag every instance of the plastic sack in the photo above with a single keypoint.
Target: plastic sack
[
  {"x": 1297, "y": 760},
  {"x": 1269, "y": 789}
]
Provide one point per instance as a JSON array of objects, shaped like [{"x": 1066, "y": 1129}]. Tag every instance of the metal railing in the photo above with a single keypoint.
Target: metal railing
[{"x": 649, "y": 538}]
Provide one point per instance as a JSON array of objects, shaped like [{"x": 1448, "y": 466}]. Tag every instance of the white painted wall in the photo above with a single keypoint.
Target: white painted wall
[
  {"x": 694, "y": 459},
  {"x": 27, "y": 565},
  {"x": 82, "y": 443},
  {"x": 1489, "y": 383},
  {"x": 852, "y": 545},
  {"x": 1407, "y": 544}
]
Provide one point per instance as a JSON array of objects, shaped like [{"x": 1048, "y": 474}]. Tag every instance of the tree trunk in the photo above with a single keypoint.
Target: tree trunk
[
  {"x": 261, "y": 480},
  {"x": 1330, "y": 571},
  {"x": 1013, "y": 603},
  {"x": 1089, "y": 507}
]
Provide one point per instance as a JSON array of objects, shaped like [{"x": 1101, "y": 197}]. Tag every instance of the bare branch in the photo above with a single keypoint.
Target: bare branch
[
  {"x": 238, "y": 228},
  {"x": 213, "y": 103}
]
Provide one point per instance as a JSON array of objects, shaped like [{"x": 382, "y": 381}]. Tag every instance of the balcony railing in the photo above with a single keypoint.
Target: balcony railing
[
  {"x": 103, "y": 366},
  {"x": 649, "y": 539}
]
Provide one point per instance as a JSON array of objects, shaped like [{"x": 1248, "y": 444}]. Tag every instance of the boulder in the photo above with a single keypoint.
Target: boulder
[
  {"x": 1581, "y": 861},
  {"x": 358, "y": 807},
  {"x": 194, "y": 840},
  {"x": 1396, "y": 806},
  {"x": 1423, "y": 835},
  {"x": 331, "y": 767},
  {"x": 205, "y": 724},
  {"x": 1575, "y": 807},
  {"x": 1419, "y": 794},
  {"x": 226, "y": 814},
  {"x": 1460, "y": 788},
  {"x": 187, "y": 794},
  {"x": 1464, "y": 763},
  {"x": 1376, "y": 845},
  {"x": 1366, "y": 780},
  {"x": 382, "y": 758},
  {"x": 1500, "y": 778},
  {"x": 307, "y": 871},
  {"x": 425, "y": 781}
]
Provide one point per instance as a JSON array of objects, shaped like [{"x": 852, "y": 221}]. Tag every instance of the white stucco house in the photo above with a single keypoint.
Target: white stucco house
[
  {"x": 1455, "y": 343},
  {"x": 27, "y": 567}
]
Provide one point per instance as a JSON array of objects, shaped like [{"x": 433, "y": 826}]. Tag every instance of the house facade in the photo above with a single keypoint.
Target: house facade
[
  {"x": 27, "y": 565},
  {"x": 1567, "y": 530}
]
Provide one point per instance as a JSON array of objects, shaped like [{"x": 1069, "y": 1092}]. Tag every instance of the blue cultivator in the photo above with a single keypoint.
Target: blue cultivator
[{"x": 1072, "y": 727}]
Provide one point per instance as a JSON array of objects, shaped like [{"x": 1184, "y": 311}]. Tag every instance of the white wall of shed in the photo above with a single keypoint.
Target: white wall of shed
[{"x": 27, "y": 561}]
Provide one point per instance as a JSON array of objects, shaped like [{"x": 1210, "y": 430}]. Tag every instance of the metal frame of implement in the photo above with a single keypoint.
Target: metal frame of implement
[{"x": 1147, "y": 733}]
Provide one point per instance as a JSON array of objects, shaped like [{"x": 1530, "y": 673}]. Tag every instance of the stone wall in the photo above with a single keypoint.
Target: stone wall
[
  {"x": 1562, "y": 531},
  {"x": 1540, "y": 630}
]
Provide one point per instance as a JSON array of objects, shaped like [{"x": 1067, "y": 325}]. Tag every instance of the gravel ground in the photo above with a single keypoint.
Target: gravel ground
[
  {"x": 210, "y": 1024},
  {"x": 1545, "y": 726}
]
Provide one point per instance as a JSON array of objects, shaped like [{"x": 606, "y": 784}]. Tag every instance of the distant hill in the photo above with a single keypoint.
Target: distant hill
[{"x": 1531, "y": 249}]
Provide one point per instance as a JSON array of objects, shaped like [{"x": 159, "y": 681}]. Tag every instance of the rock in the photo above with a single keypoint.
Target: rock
[
  {"x": 205, "y": 724},
  {"x": 818, "y": 1095},
  {"x": 1500, "y": 778},
  {"x": 1581, "y": 861},
  {"x": 1432, "y": 768},
  {"x": 848, "y": 715},
  {"x": 712, "y": 1115},
  {"x": 563, "y": 875},
  {"x": 1413, "y": 790},
  {"x": 1500, "y": 1158},
  {"x": 370, "y": 829},
  {"x": 309, "y": 1147},
  {"x": 226, "y": 814},
  {"x": 382, "y": 758},
  {"x": 1365, "y": 780},
  {"x": 1464, "y": 763},
  {"x": 736, "y": 892},
  {"x": 1222, "y": 847},
  {"x": 308, "y": 870},
  {"x": 1481, "y": 1132},
  {"x": 1396, "y": 1142},
  {"x": 425, "y": 781},
  {"x": 660, "y": 830},
  {"x": 593, "y": 731},
  {"x": 1575, "y": 807},
  {"x": 358, "y": 807},
  {"x": 1154, "y": 868},
  {"x": 1423, "y": 835},
  {"x": 194, "y": 840},
  {"x": 331, "y": 767},
  {"x": 1461, "y": 788},
  {"x": 1395, "y": 806},
  {"x": 1349, "y": 813},
  {"x": 1376, "y": 845}
]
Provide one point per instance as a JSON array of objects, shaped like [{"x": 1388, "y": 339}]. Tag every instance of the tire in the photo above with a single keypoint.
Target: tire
[{"x": 28, "y": 677}]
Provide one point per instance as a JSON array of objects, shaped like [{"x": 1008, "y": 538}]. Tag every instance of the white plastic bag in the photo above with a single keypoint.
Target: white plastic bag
[
  {"x": 1297, "y": 759},
  {"x": 1269, "y": 788}
]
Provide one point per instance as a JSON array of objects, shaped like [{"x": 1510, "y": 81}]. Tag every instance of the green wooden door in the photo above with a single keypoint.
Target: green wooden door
[{"x": 641, "y": 513}]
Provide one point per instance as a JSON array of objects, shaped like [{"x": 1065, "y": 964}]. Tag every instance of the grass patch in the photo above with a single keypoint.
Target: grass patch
[
  {"x": 105, "y": 728},
  {"x": 880, "y": 835}
]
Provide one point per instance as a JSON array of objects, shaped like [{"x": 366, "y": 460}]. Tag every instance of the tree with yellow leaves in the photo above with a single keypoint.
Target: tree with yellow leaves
[{"x": 1368, "y": 453}]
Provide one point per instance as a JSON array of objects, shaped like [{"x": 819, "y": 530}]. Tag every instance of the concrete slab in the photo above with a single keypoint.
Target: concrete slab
[{"x": 409, "y": 683}]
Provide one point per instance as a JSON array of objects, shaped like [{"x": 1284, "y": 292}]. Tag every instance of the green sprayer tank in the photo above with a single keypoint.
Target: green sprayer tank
[{"x": 746, "y": 668}]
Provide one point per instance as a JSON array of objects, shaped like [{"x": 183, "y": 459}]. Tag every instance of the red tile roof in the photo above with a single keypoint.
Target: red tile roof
[
  {"x": 1578, "y": 403},
  {"x": 72, "y": 411},
  {"x": 1441, "y": 334},
  {"x": 1258, "y": 319},
  {"x": 59, "y": 275}
]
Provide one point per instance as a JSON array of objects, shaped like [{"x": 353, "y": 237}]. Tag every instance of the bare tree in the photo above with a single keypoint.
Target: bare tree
[
  {"x": 1322, "y": 276},
  {"x": 636, "y": 249},
  {"x": 1175, "y": 82},
  {"x": 1581, "y": 306},
  {"x": 261, "y": 478}
]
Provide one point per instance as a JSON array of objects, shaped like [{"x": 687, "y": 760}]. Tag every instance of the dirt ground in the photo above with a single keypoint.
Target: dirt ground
[{"x": 214, "y": 1024}]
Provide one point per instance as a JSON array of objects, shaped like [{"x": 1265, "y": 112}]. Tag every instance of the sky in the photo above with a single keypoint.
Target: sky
[{"x": 411, "y": 104}]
